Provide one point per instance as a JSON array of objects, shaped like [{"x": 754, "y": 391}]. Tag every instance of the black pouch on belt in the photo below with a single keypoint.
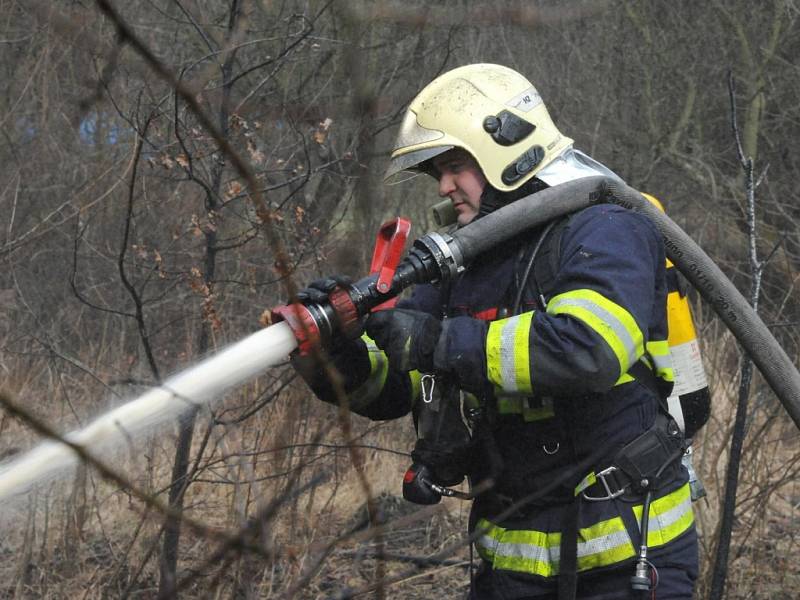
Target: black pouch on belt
[{"x": 653, "y": 457}]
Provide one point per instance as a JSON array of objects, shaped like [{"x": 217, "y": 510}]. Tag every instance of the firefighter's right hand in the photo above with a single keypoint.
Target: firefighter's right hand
[
  {"x": 408, "y": 337},
  {"x": 318, "y": 290}
]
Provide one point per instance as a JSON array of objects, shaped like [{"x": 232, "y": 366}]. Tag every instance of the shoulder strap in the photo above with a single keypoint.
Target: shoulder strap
[
  {"x": 540, "y": 259},
  {"x": 645, "y": 375},
  {"x": 545, "y": 267}
]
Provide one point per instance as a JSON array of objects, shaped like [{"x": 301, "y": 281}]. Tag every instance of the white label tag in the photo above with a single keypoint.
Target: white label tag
[
  {"x": 688, "y": 366},
  {"x": 527, "y": 100}
]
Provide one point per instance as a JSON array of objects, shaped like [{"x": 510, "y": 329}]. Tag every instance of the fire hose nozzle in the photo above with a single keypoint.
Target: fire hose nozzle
[
  {"x": 315, "y": 324},
  {"x": 304, "y": 322},
  {"x": 433, "y": 258}
]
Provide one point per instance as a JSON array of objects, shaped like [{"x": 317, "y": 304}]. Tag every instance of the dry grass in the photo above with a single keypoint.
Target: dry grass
[{"x": 84, "y": 538}]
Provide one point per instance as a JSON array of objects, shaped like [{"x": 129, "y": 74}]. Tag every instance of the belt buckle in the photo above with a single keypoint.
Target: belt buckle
[{"x": 601, "y": 476}]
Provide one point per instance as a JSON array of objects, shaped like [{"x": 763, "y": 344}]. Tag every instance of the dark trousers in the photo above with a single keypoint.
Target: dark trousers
[{"x": 614, "y": 584}]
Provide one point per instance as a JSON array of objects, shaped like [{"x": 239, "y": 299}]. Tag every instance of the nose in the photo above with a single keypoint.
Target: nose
[{"x": 447, "y": 184}]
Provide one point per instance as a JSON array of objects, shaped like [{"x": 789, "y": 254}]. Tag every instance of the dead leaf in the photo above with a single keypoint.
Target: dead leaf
[
  {"x": 233, "y": 189},
  {"x": 273, "y": 217},
  {"x": 266, "y": 318},
  {"x": 238, "y": 123},
  {"x": 321, "y": 134},
  {"x": 256, "y": 155},
  {"x": 196, "y": 230}
]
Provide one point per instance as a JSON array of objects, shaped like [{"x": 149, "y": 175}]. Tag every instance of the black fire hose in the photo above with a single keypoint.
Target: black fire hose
[
  {"x": 438, "y": 257},
  {"x": 759, "y": 343}
]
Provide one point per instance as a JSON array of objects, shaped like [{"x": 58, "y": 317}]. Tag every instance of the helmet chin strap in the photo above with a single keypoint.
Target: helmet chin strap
[{"x": 492, "y": 198}]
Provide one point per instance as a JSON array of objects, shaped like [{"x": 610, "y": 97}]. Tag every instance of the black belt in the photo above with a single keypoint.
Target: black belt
[{"x": 641, "y": 464}]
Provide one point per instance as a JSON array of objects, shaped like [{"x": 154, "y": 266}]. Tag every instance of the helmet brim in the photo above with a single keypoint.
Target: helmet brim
[{"x": 412, "y": 161}]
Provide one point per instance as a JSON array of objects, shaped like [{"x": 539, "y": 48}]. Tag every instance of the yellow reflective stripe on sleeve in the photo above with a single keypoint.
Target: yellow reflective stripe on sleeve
[
  {"x": 416, "y": 385},
  {"x": 508, "y": 360},
  {"x": 377, "y": 358},
  {"x": 599, "y": 545},
  {"x": 624, "y": 378},
  {"x": 531, "y": 408},
  {"x": 662, "y": 359},
  {"x": 658, "y": 358},
  {"x": 509, "y": 405},
  {"x": 615, "y": 325},
  {"x": 378, "y": 372}
]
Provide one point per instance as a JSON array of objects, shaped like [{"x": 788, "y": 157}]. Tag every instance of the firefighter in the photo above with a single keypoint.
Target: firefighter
[{"x": 545, "y": 363}]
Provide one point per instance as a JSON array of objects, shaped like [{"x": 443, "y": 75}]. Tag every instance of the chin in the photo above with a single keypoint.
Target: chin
[{"x": 465, "y": 219}]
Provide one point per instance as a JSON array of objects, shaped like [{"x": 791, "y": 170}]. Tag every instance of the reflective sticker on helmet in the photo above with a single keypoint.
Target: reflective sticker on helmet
[{"x": 527, "y": 100}]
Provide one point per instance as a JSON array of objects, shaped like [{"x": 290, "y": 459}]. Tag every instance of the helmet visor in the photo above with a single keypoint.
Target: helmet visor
[{"x": 411, "y": 161}]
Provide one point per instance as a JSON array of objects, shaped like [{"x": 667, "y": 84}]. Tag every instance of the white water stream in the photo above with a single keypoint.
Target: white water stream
[{"x": 196, "y": 385}]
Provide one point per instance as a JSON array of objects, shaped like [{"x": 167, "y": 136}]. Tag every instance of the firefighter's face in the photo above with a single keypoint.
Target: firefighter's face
[{"x": 461, "y": 180}]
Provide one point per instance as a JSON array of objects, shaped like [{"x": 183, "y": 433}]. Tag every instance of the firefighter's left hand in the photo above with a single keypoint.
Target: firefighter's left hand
[
  {"x": 408, "y": 337},
  {"x": 318, "y": 290}
]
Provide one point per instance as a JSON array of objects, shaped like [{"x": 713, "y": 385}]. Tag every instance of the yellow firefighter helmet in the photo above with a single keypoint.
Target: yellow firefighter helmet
[{"x": 492, "y": 112}]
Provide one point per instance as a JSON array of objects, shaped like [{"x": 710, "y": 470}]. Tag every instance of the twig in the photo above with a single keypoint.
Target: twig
[
  {"x": 422, "y": 561},
  {"x": 720, "y": 570}
]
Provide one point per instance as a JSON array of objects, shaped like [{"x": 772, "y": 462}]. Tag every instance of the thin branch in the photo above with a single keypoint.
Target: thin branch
[{"x": 134, "y": 294}]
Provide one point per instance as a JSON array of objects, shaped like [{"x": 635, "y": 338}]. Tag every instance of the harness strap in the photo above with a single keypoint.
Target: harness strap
[
  {"x": 568, "y": 552},
  {"x": 645, "y": 375}
]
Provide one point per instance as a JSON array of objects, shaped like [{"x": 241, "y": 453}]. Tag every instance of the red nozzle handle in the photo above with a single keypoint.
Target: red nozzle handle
[
  {"x": 389, "y": 246},
  {"x": 315, "y": 323}
]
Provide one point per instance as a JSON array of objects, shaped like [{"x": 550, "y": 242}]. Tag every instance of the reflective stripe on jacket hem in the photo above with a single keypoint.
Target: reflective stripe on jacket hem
[{"x": 599, "y": 545}]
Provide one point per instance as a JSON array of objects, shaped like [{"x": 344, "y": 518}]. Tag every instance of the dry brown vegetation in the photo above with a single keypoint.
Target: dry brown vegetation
[{"x": 168, "y": 169}]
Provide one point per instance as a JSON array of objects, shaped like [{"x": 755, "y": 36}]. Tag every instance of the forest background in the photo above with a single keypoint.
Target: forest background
[{"x": 132, "y": 245}]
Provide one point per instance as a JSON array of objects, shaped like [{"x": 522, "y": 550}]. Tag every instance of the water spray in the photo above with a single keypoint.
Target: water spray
[{"x": 188, "y": 389}]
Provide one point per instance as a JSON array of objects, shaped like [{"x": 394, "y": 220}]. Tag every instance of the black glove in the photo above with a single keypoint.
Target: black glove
[
  {"x": 448, "y": 463},
  {"x": 318, "y": 290},
  {"x": 408, "y": 337},
  {"x": 349, "y": 357}
]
